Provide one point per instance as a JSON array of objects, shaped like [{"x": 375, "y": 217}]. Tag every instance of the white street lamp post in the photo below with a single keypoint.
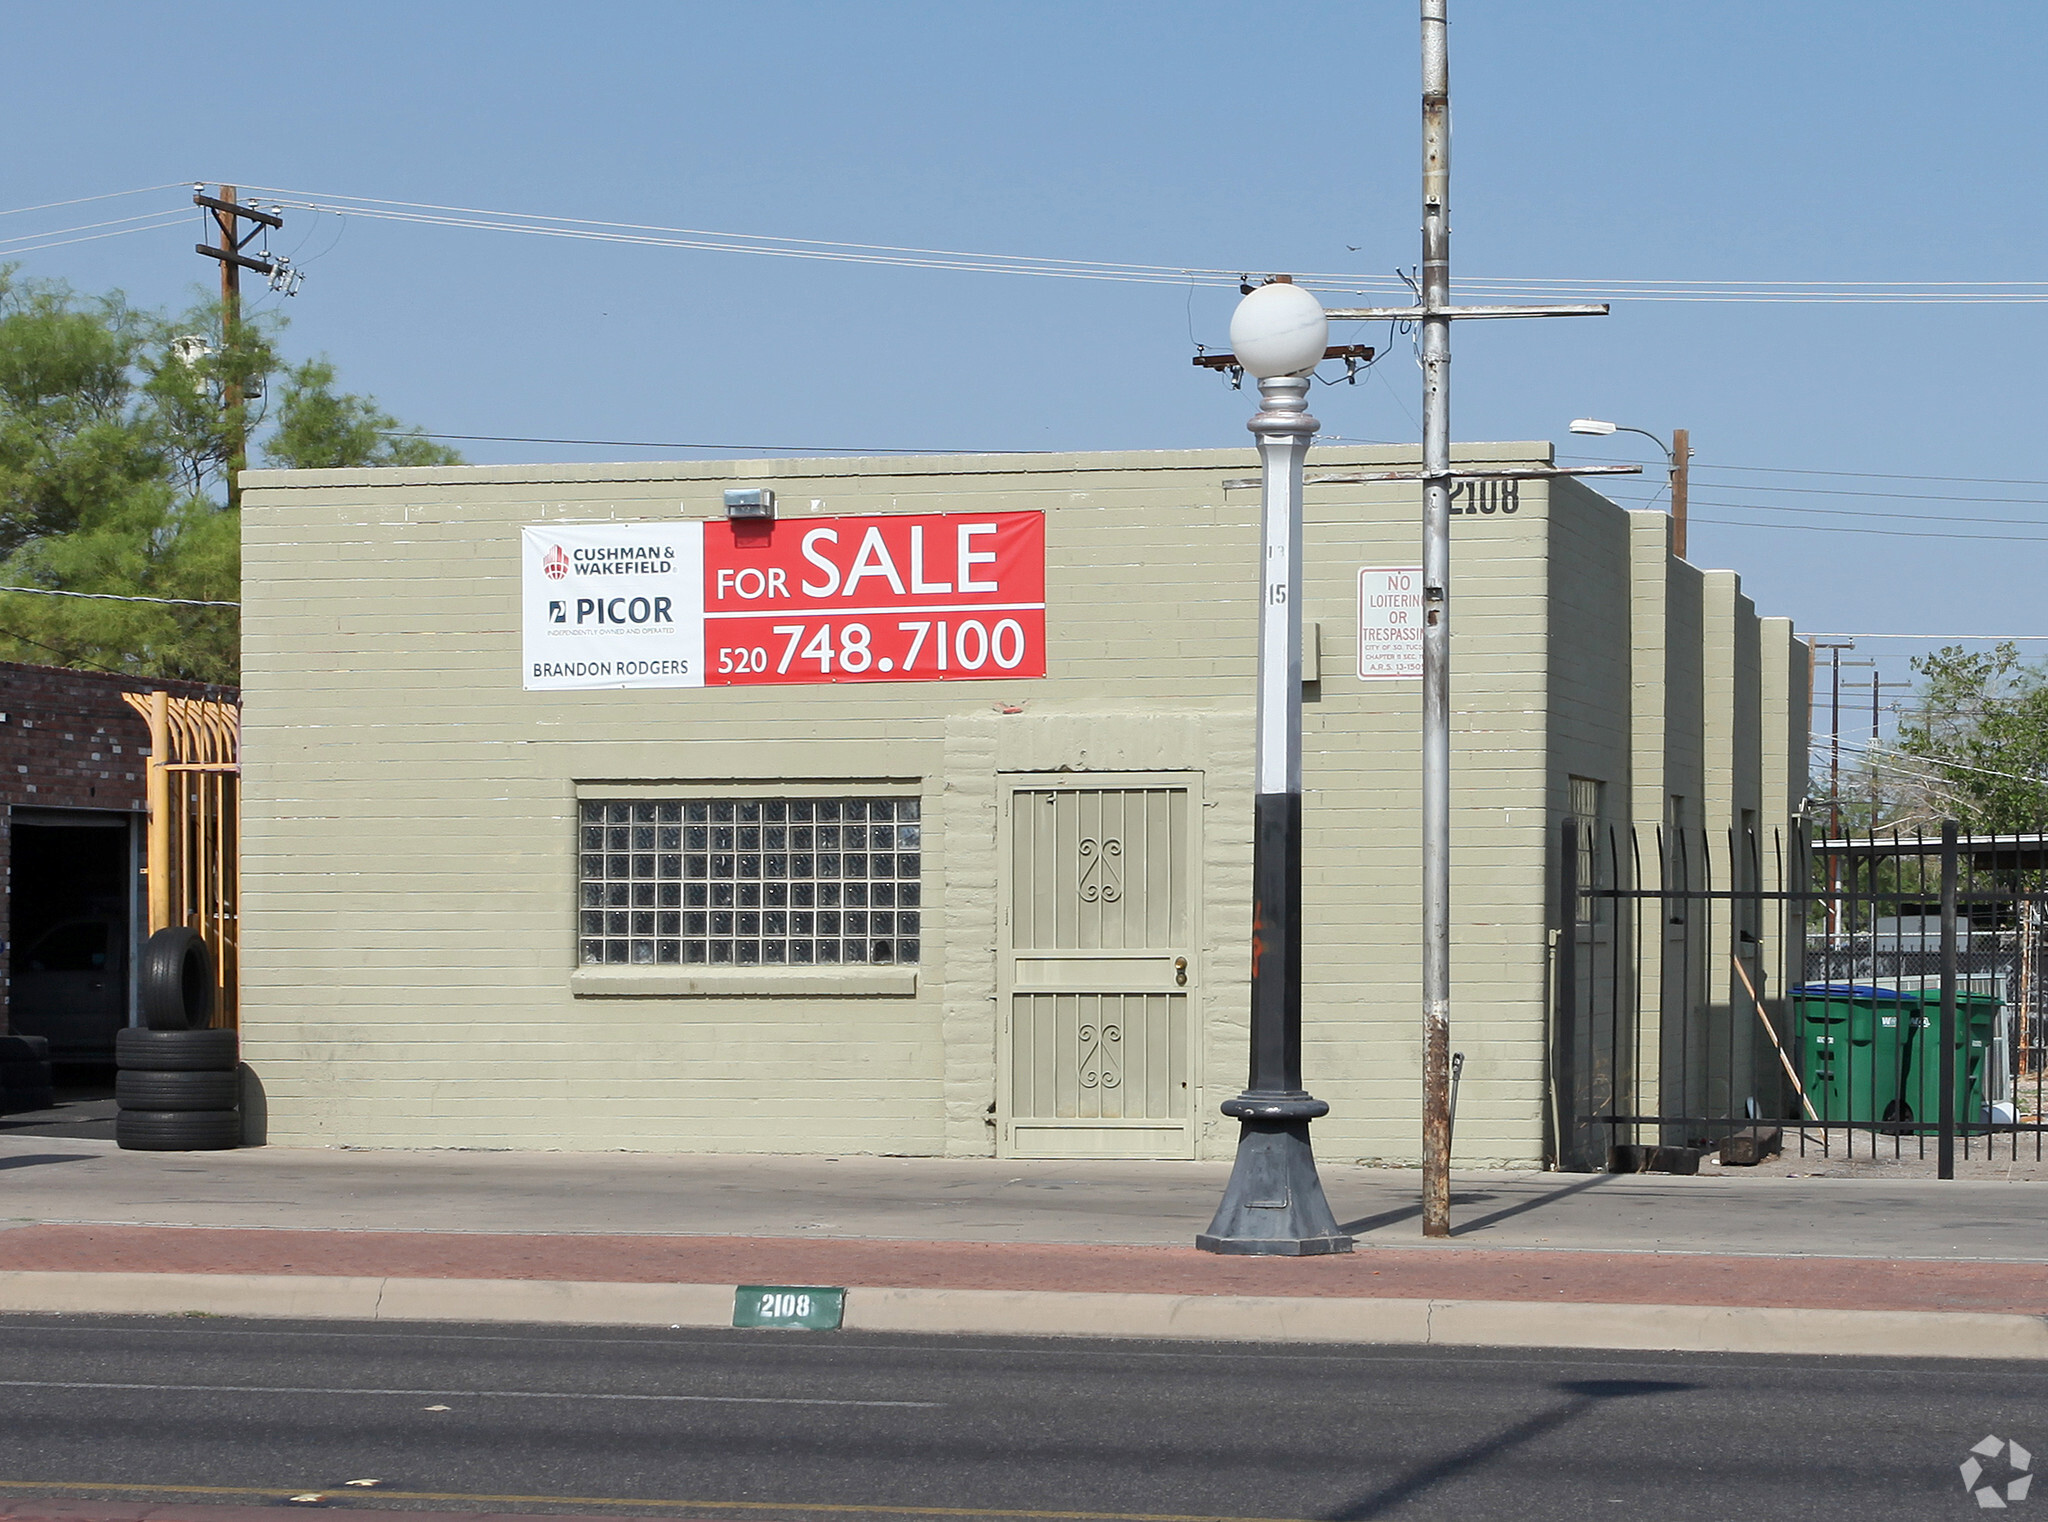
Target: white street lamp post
[{"x": 1274, "y": 1203}]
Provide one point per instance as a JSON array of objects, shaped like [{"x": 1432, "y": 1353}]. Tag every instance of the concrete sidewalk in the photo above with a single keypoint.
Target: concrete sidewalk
[{"x": 1740, "y": 1263}]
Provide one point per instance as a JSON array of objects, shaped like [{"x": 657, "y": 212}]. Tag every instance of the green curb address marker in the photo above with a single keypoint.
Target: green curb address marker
[{"x": 794, "y": 1307}]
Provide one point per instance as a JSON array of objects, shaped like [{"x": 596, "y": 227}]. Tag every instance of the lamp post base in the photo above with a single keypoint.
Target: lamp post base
[{"x": 1274, "y": 1204}]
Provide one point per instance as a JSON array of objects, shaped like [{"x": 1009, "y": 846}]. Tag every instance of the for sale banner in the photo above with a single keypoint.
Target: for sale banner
[
  {"x": 911, "y": 598},
  {"x": 919, "y": 598}
]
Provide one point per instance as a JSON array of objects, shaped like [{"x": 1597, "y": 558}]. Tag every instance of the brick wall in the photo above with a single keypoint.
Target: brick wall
[{"x": 68, "y": 741}]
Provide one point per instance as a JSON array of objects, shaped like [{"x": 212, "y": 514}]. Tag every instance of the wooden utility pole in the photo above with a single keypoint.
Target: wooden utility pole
[
  {"x": 1681, "y": 473},
  {"x": 228, "y": 215},
  {"x": 234, "y": 406}
]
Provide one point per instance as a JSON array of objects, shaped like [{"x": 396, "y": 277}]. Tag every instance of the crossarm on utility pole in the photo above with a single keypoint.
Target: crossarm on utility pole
[{"x": 1418, "y": 313}]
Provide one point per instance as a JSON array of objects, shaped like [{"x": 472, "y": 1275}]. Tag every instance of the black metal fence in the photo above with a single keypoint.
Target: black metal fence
[{"x": 1874, "y": 997}]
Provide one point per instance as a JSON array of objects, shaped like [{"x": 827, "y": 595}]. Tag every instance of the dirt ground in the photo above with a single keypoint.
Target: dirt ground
[{"x": 1860, "y": 1154}]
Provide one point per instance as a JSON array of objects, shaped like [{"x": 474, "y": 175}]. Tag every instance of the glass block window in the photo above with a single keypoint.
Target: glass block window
[{"x": 749, "y": 882}]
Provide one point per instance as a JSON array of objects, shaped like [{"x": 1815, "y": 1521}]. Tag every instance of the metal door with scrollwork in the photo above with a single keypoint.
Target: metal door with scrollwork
[{"x": 1098, "y": 967}]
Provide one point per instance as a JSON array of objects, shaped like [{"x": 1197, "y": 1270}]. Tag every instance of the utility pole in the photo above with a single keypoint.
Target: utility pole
[
  {"x": 1436, "y": 619},
  {"x": 1834, "y": 781},
  {"x": 1876, "y": 697},
  {"x": 1681, "y": 480},
  {"x": 1435, "y": 313},
  {"x": 228, "y": 215}
]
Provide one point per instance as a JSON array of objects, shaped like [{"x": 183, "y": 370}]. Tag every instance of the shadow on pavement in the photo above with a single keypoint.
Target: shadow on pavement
[
  {"x": 1405, "y": 1213},
  {"x": 1583, "y": 1395},
  {"x": 34, "y": 1159},
  {"x": 1548, "y": 1197}
]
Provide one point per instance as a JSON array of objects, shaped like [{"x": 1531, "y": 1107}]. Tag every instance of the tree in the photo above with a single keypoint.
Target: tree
[
  {"x": 1978, "y": 740},
  {"x": 318, "y": 430},
  {"x": 113, "y": 448}
]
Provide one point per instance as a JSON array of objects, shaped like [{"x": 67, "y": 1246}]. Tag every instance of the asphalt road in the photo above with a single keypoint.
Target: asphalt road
[{"x": 767, "y": 1424}]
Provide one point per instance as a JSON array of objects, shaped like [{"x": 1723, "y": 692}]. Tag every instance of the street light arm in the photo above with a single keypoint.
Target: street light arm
[{"x": 1624, "y": 428}]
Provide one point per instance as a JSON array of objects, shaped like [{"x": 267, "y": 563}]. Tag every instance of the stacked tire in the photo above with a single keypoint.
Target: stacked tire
[
  {"x": 177, "y": 1086},
  {"x": 25, "y": 1075}
]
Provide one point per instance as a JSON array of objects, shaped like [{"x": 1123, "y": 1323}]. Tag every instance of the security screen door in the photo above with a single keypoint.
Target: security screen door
[{"x": 1098, "y": 967}]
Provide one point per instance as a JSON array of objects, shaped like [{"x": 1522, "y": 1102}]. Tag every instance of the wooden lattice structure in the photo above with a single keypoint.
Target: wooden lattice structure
[{"x": 194, "y": 793}]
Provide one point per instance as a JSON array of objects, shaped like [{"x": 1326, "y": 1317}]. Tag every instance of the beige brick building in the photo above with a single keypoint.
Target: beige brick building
[{"x": 1045, "y": 880}]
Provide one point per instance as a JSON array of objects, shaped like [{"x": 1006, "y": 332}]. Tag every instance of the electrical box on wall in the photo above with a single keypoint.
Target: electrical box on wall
[{"x": 750, "y": 502}]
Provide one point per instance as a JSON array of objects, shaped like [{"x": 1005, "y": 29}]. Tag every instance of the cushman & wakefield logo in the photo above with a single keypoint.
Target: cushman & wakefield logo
[{"x": 555, "y": 565}]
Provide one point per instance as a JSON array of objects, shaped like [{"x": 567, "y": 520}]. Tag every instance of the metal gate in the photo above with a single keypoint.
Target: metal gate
[
  {"x": 1098, "y": 967},
  {"x": 195, "y": 838},
  {"x": 1878, "y": 996}
]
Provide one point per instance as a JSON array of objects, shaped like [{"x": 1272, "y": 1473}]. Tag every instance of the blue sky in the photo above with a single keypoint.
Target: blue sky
[{"x": 1724, "y": 141}]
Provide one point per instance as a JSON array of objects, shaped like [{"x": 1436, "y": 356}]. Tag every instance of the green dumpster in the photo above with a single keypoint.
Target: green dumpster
[
  {"x": 1976, "y": 1021},
  {"x": 1852, "y": 1039}
]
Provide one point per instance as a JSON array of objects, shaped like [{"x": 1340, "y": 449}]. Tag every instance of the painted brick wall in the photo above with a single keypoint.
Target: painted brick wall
[{"x": 409, "y": 926}]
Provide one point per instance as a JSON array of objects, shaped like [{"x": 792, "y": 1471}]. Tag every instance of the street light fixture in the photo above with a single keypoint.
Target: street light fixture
[
  {"x": 1677, "y": 456},
  {"x": 1274, "y": 1203}
]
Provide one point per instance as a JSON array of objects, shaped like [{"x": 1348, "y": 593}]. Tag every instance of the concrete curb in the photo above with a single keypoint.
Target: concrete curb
[{"x": 1050, "y": 1313}]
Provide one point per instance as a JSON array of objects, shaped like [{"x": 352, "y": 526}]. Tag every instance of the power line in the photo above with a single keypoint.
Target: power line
[
  {"x": 56, "y": 232},
  {"x": 1886, "y": 533},
  {"x": 178, "y": 602},
  {"x": 1863, "y": 491},
  {"x": 1850, "y": 512},
  {"x": 169, "y": 220},
  {"x": 66, "y": 654},
  {"x": 112, "y": 195},
  {"x": 1788, "y": 470},
  {"x": 768, "y": 245}
]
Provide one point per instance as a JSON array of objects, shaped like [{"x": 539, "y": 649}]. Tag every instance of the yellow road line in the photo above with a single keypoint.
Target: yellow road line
[{"x": 280, "y": 1492}]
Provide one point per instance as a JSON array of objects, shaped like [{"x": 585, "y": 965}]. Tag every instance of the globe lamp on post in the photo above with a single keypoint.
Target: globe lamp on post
[{"x": 1274, "y": 1202}]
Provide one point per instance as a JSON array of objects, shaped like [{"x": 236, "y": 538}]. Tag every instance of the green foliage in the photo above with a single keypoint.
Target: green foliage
[
  {"x": 1981, "y": 731},
  {"x": 320, "y": 430},
  {"x": 115, "y": 446}
]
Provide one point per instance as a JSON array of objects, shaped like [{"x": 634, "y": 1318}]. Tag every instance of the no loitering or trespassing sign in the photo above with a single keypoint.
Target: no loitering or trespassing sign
[{"x": 1389, "y": 623}]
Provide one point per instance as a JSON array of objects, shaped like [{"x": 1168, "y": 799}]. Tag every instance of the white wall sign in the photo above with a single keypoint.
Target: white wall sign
[
  {"x": 1389, "y": 623},
  {"x": 612, "y": 605}
]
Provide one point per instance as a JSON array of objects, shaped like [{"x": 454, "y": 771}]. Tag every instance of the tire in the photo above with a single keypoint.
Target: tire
[
  {"x": 175, "y": 983},
  {"x": 18, "y": 1049},
  {"x": 177, "y": 1130},
  {"x": 143, "y": 1051},
  {"x": 176, "y": 1091}
]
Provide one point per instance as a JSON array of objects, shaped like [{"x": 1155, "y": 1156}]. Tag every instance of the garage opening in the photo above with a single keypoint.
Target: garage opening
[{"x": 71, "y": 917}]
